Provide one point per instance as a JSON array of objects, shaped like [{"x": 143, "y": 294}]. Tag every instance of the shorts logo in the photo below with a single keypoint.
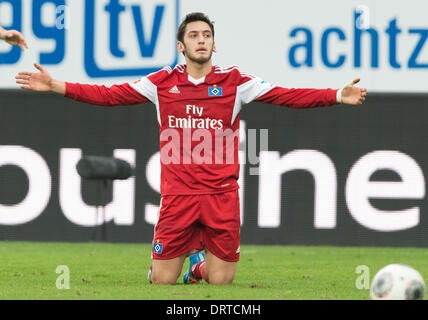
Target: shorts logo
[
  {"x": 157, "y": 247},
  {"x": 215, "y": 91}
]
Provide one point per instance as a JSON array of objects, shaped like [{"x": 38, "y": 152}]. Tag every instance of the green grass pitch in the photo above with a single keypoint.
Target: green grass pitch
[{"x": 119, "y": 271}]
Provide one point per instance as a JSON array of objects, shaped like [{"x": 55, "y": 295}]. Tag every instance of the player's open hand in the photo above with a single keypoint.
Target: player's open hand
[
  {"x": 38, "y": 81},
  {"x": 353, "y": 95},
  {"x": 15, "y": 38}
]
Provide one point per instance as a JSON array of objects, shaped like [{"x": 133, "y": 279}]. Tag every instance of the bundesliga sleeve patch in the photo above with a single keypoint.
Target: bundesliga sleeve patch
[{"x": 215, "y": 91}]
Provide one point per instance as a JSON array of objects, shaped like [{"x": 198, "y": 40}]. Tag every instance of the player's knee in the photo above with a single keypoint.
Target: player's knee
[
  {"x": 163, "y": 278},
  {"x": 220, "y": 278}
]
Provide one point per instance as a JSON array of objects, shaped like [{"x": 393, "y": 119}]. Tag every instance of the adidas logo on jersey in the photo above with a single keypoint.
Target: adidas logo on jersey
[{"x": 174, "y": 89}]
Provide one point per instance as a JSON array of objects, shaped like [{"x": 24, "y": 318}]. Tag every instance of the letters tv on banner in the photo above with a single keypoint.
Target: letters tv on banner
[
  {"x": 333, "y": 176},
  {"x": 304, "y": 43},
  {"x": 91, "y": 40}
]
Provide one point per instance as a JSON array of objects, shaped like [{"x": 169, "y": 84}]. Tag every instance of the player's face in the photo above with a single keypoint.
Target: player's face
[{"x": 198, "y": 42}]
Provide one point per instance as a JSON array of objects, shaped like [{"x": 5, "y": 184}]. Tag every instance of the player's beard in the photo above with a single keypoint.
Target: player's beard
[{"x": 199, "y": 60}]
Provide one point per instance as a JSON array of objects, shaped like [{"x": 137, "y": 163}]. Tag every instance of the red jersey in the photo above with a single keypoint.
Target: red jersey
[{"x": 199, "y": 120}]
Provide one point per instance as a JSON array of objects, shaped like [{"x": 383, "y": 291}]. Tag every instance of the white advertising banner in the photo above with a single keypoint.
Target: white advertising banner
[{"x": 306, "y": 43}]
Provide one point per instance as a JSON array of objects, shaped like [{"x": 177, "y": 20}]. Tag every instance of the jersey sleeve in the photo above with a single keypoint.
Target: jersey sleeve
[
  {"x": 299, "y": 98},
  {"x": 148, "y": 86},
  {"x": 252, "y": 88},
  {"x": 116, "y": 95},
  {"x": 248, "y": 89},
  {"x": 140, "y": 91}
]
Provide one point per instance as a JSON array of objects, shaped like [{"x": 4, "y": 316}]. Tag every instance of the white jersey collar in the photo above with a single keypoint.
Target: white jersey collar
[{"x": 195, "y": 81}]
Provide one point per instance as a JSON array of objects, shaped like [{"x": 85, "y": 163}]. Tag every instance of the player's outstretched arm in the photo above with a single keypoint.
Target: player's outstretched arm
[
  {"x": 353, "y": 95},
  {"x": 116, "y": 95},
  {"x": 13, "y": 37},
  {"x": 311, "y": 97},
  {"x": 39, "y": 81}
]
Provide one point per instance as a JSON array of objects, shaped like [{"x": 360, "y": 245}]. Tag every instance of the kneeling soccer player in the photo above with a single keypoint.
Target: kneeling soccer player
[{"x": 199, "y": 211}]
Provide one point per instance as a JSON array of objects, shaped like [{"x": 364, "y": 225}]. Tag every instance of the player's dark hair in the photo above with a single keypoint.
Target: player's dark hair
[{"x": 192, "y": 17}]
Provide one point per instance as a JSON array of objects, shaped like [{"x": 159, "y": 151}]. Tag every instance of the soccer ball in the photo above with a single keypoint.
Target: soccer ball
[{"x": 397, "y": 282}]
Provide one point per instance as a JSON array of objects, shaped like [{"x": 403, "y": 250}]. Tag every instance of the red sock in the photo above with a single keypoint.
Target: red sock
[{"x": 198, "y": 270}]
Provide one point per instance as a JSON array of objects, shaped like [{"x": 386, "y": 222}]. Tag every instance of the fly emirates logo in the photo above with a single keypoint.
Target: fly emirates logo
[{"x": 194, "y": 120}]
